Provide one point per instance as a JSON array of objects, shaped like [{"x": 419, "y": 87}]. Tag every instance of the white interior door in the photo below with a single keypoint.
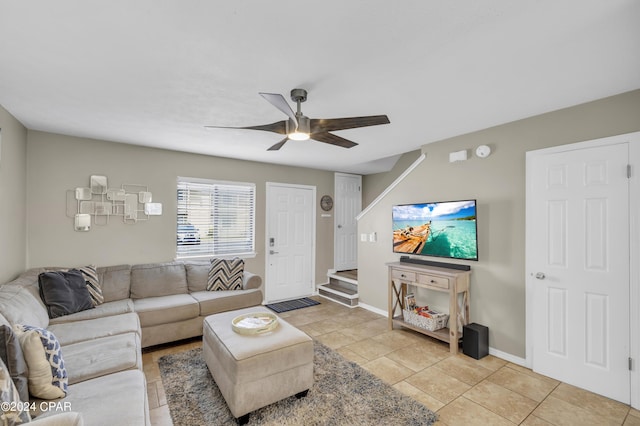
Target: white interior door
[
  {"x": 348, "y": 203},
  {"x": 578, "y": 248},
  {"x": 290, "y": 245}
]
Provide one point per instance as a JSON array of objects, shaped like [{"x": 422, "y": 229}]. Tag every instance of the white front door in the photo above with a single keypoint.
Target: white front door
[
  {"x": 578, "y": 271},
  {"x": 290, "y": 245},
  {"x": 348, "y": 195}
]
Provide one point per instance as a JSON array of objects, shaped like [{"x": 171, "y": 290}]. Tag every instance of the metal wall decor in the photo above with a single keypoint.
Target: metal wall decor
[{"x": 97, "y": 203}]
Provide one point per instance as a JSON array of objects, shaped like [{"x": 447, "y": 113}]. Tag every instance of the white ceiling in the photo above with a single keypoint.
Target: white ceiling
[{"x": 153, "y": 73}]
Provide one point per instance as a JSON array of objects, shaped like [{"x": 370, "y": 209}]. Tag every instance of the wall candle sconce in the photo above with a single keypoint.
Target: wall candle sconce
[{"x": 131, "y": 201}]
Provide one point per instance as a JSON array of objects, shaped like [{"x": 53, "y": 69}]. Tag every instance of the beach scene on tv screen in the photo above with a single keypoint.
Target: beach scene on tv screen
[{"x": 446, "y": 229}]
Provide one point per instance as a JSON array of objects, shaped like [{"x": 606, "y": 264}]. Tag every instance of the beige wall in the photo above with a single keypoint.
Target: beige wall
[
  {"x": 374, "y": 184},
  {"x": 498, "y": 184},
  {"x": 58, "y": 163},
  {"x": 13, "y": 172}
]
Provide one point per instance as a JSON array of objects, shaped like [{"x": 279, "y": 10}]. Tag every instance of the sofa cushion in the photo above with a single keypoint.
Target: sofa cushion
[
  {"x": 107, "y": 309},
  {"x": 105, "y": 355},
  {"x": 213, "y": 302},
  {"x": 115, "y": 282},
  {"x": 118, "y": 398},
  {"x": 21, "y": 303},
  {"x": 197, "y": 275},
  {"x": 166, "y": 309},
  {"x": 13, "y": 412},
  {"x": 64, "y": 292},
  {"x": 225, "y": 274},
  {"x": 79, "y": 331},
  {"x": 47, "y": 375},
  {"x": 66, "y": 418},
  {"x": 158, "y": 279},
  {"x": 11, "y": 355}
]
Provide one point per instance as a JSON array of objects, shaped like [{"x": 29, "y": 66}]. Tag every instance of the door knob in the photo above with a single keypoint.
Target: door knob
[
  {"x": 540, "y": 275},
  {"x": 273, "y": 252},
  {"x": 339, "y": 226}
]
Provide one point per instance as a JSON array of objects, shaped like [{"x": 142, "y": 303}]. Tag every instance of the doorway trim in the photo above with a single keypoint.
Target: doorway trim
[
  {"x": 312, "y": 272},
  {"x": 633, "y": 141}
]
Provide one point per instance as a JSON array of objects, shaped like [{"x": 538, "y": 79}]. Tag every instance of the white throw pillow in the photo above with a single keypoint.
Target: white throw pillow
[{"x": 40, "y": 373}]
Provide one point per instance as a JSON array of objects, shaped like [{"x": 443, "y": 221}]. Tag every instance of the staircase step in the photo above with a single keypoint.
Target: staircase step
[
  {"x": 339, "y": 277},
  {"x": 340, "y": 289},
  {"x": 342, "y": 286},
  {"x": 336, "y": 296}
]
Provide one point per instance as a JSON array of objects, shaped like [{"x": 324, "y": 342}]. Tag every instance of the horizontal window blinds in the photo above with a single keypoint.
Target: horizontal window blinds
[{"x": 215, "y": 218}]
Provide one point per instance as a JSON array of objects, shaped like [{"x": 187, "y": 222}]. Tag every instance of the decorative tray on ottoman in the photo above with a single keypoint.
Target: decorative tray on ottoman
[{"x": 254, "y": 323}]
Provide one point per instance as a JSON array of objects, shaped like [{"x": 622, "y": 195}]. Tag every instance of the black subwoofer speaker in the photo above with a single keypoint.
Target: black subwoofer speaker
[{"x": 475, "y": 340}]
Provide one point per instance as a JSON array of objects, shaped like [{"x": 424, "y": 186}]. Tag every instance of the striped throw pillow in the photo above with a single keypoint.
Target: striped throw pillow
[
  {"x": 93, "y": 284},
  {"x": 225, "y": 274}
]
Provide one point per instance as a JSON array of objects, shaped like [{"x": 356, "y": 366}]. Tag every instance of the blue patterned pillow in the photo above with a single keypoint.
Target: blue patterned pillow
[{"x": 53, "y": 353}]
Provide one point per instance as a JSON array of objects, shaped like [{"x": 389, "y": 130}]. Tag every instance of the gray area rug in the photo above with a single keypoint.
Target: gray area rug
[{"x": 343, "y": 394}]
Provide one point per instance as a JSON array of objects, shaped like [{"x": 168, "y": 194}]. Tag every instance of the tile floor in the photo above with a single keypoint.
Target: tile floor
[{"x": 462, "y": 390}]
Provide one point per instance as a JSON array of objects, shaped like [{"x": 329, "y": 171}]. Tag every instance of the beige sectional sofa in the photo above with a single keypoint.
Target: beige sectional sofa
[{"x": 144, "y": 305}]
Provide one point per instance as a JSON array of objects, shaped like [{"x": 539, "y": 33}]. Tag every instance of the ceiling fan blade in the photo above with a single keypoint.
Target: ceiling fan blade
[
  {"x": 332, "y": 139},
  {"x": 277, "y": 127},
  {"x": 331, "y": 124},
  {"x": 278, "y": 145},
  {"x": 278, "y": 101}
]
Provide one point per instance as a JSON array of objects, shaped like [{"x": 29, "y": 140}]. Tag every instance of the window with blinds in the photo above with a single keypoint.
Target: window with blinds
[{"x": 215, "y": 218}]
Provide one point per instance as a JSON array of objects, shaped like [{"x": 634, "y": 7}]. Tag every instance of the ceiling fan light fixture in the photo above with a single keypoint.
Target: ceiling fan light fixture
[
  {"x": 298, "y": 136},
  {"x": 302, "y": 131}
]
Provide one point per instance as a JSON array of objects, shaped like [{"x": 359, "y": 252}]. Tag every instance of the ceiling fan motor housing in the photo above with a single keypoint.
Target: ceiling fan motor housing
[
  {"x": 298, "y": 95},
  {"x": 304, "y": 124}
]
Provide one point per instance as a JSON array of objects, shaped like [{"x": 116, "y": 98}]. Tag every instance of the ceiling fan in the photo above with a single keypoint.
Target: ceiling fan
[{"x": 300, "y": 127}]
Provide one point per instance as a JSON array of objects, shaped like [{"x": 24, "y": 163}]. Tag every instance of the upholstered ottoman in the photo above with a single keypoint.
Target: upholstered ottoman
[{"x": 258, "y": 370}]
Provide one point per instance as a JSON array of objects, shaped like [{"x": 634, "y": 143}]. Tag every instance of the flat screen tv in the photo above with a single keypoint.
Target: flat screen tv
[{"x": 442, "y": 229}]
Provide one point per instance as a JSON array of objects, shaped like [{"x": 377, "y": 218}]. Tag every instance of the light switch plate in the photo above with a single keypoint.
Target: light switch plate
[{"x": 458, "y": 156}]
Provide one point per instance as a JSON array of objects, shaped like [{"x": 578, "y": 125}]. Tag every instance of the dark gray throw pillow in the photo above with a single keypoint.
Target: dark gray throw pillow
[
  {"x": 11, "y": 354},
  {"x": 64, "y": 293}
]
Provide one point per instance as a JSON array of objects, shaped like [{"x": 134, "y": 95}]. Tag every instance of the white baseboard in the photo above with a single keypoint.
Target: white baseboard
[
  {"x": 508, "y": 357},
  {"x": 372, "y": 309}
]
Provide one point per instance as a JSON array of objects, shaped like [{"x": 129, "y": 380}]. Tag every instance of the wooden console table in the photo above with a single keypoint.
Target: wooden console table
[{"x": 453, "y": 281}]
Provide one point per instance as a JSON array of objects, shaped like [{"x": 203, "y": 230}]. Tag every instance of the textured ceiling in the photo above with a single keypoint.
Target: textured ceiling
[{"x": 153, "y": 73}]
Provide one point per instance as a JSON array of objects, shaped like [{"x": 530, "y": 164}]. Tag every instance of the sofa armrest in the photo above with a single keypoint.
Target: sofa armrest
[
  {"x": 250, "y": 280},
  {"x": 69, "y": 418}
]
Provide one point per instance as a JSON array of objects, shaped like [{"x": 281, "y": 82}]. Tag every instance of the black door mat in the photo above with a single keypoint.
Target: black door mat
[{"x": 291, "y": 305}]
